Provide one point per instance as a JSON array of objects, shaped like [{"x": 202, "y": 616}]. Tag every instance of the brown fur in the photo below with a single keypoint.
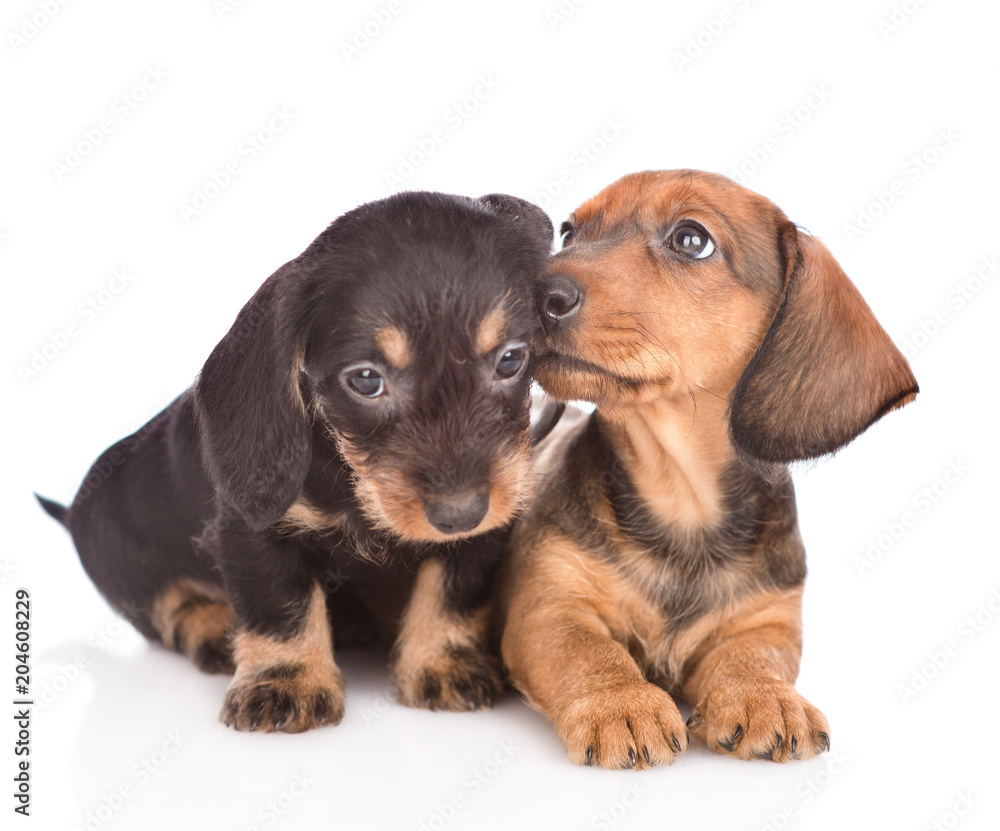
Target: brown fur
[
  {"x": 440, "y": 659},
  {"x": 662, "y": 556},
  {"x": 742, "y": 676},
  {"x": 303, "y": 517},
  {"x": 491, "y": 330},
  {"x": 196, "y": 619},
  {"x": 288, "y": 684},
  {"x": 392, "y": 342},
  {"x": 389, "y": 501}
]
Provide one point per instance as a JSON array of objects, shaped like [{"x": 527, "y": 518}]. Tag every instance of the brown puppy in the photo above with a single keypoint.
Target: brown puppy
[{"x": 662, "y": 556}]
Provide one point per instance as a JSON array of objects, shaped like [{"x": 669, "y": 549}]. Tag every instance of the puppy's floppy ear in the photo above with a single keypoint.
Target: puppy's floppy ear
[
  {"x": 255, "y": 433},
  {"x": 825, "y": 371},
  {"x": 520, "y": 210}
]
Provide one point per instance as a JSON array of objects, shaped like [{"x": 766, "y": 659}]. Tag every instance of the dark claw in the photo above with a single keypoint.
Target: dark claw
[
  {"x": 778, "y": 741},
  {"x": 825, "y": 739},
  {"x": 769, "y": 754},
  {"x": 795, "y": 744},
  {"x": 694, "y": 719},
  {"x": 255, "y": 720},
  {"x": 322, "y": 707},
  {"x": 590, "y": 756},
  {"x": 645, "y": 755},
  {"x": 730, "y": 743},
  {"x": 676, "y": 743},
  {"x": 631, "y": 758},
  {"x": 431, "y": 691}
]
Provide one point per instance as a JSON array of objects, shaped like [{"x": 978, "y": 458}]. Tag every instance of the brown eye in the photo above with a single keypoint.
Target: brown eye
[
  {"x": 566, "y": 233},
  {"x": 366, "y": 382},
  {"x": 692, "y": 241},
  {"x": 511, "y": 362}
]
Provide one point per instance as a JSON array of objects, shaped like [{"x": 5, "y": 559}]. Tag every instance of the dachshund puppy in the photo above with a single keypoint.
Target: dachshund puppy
[
  {"x": 348, "y": 464},
  {"x": 661, "y": 557}
]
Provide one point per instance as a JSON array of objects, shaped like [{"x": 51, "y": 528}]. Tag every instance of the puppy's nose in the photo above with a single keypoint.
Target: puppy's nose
[
  {"x": 561, "y": 298},
  {"x": 457, "y": 513}
]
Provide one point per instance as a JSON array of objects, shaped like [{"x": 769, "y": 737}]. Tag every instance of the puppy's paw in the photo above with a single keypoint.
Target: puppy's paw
[
  {"x": 215, "y": 654},
  {"x": 196, "y": 619},
  {"x": 759, "y": 718},
  {"x": 460, "y": 678},
  {"x": 631, "y": 726},
  {"x": 290, "y": 698}
]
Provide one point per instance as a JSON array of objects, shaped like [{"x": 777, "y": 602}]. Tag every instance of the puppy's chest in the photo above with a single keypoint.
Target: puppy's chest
[
  {"x": 676, "y": 589},
  {"x": 352, "y": 542}
]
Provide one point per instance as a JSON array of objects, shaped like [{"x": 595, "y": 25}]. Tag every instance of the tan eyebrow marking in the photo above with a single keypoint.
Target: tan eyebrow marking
[
  {"x": 392, "y": 342},
  {"x": 491, "y": 330}
]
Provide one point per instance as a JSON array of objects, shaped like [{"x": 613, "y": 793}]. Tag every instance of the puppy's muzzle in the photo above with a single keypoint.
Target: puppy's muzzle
[
  {"x": 457, "y": 513},
  {"x": 560, "y": 298}
]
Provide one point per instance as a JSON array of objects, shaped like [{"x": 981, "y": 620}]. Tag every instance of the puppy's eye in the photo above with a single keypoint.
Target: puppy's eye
[
  {"x": 566, "y": 233},
  {"x": 366, "y": 382},
  {"x": 511, "y": 363},
  {"x": 692, "y": 241}
]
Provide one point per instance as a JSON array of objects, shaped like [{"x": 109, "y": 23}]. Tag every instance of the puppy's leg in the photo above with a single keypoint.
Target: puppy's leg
[
  {"x": 286, "y": 678},
  {"x": 742, "y": 687},
  {"x": 564, "y": 647},
  {"x": 196, "y": 619},
  {"x": 440, "y": 659}
]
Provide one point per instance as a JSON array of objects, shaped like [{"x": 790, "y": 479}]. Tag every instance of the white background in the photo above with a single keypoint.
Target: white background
[{"x": 823, "y": 108}]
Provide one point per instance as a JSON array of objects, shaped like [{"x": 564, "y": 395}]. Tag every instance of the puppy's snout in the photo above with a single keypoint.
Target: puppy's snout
[
  {"x": 457, "y": 513},
  {"x": 560, "y": 299}
]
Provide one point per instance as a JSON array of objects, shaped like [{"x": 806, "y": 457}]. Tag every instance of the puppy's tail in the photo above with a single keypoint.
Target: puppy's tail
[{"x": 60, "y": 513}]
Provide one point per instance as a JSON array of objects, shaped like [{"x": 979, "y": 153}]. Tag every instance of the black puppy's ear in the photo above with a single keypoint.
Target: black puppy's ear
[
  {"x": 520, "y": 210},
  {"x": 255, "y": 435},
  {"x": 825, "y": 371}
]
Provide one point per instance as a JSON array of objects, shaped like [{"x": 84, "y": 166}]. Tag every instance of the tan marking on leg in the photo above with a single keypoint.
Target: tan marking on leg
[
  {"x": 393, "y": 344},
  {"x": 572, "y": 625},
  {"x": 491, "y": 331},
  {"x": 440, "y": 659},
  {"x": 304, "y": 517},
  {"x": 741, "y": 683},
  {"x": 196, "y": 619},
  {"x": 289, "y": 684}
]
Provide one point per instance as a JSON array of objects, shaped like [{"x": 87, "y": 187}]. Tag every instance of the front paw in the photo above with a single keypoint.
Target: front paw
[
  {"x": 759, "y": 718},
  {"x": 631, "y": 726},
  {"x": 459, "y": 678},
  {"x": 290, "y": 698}
]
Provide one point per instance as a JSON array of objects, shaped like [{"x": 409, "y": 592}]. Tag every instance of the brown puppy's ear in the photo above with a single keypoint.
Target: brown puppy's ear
[
  {"x": 255, "y": 433},
  {"x": 825, "y": 371}
]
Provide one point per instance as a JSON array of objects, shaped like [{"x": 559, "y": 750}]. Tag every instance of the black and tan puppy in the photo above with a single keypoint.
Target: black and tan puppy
[
  {"x": 351, "y": 458},
  {"x": 662, "y": 556}
]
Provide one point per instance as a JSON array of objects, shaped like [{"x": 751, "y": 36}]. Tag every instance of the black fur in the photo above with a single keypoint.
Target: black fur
[{"x": 200, "y": 492}]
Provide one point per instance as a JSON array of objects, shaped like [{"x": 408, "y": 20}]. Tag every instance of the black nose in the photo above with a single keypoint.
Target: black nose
[
  {"x": 457, "y": 513},
  {"x": 560, "y": 299}
]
